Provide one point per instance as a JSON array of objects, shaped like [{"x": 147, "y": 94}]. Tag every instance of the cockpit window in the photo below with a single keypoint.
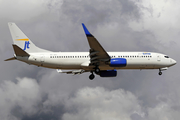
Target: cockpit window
[{"x": 166, "y": 56}]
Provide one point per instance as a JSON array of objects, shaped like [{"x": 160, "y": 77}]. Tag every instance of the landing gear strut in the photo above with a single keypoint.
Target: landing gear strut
[
  {"x": 91, "y": 77},
  {"x": 162, "y": 69},
  {"x": 160, "y": 73}
]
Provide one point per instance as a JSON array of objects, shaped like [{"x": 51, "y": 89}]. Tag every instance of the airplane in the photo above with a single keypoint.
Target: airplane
[{"x": 97, "y": 60}]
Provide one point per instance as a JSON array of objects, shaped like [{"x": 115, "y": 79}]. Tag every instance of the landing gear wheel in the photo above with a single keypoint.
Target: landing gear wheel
[
  {"x": 91, "y": 77},
  {"x": 160, "y": 73},
  {"x": 97, "y": 70}
]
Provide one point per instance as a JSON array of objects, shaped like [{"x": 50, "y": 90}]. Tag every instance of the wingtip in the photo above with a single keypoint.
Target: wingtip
[
  {"x": 86, "y": 30},
  {"x": 10, "y": 22}
]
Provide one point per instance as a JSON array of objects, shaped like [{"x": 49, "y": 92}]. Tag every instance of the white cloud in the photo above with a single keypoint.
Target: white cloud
[
  {"x": 163, "y": 111},
  {"x": 98, "y": 103},
  {"x": 24, "y": 94},
  {"x": 27, "y": 97}
]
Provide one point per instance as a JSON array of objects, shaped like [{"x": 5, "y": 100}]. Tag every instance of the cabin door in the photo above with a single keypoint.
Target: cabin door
[
  {"x": 42, "y": 58},
  {"x": 158, "y": 58}
]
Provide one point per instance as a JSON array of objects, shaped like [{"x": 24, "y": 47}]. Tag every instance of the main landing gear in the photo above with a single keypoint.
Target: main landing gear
[
  {"x": 92, "y": 76},
  {"x": 96, "y": 70}
]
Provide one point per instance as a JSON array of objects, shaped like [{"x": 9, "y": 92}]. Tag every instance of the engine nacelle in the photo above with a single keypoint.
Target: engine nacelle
[
  {"x": 108, "y": 73},
  {"x": 118, "y": 62}
]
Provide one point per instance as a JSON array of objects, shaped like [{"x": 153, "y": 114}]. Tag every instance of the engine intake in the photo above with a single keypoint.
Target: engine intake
[{"x": 118, "y": 62}]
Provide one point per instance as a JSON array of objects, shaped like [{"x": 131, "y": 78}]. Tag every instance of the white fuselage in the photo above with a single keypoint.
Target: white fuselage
[{"x": 81, "y": 60}]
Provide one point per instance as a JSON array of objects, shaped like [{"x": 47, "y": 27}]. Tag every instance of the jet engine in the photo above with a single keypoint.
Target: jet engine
[
  {"x": 108, "y": 73},
  {"x": 118, "y": 62}
]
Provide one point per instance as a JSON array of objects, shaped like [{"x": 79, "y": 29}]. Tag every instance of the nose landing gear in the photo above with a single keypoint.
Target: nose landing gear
[
  {"x": 160, "y": 73},
  {"x": 162, "y": 69}
]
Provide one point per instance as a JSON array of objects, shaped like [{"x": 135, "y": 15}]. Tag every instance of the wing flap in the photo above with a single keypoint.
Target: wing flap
[{"x": 74, "y": 72}]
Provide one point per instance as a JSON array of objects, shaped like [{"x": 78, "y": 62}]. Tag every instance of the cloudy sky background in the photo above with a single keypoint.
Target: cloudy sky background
[{"x": 29, "y": 92}]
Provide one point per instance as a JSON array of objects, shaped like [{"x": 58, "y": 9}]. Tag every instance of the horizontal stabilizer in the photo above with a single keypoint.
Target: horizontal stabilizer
[
  {"x": 19, "y": 52},
  {"x": 13, "y": 58}
]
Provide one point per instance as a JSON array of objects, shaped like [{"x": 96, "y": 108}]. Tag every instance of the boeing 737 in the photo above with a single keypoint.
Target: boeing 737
[{"x": 97, "y": 60}]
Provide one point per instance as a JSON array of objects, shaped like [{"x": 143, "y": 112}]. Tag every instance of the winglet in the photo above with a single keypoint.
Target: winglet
[{"x": 86, "y": 30}]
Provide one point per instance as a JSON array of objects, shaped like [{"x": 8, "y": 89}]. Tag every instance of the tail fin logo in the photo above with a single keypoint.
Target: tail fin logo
[{"x": 26, "y": 45}]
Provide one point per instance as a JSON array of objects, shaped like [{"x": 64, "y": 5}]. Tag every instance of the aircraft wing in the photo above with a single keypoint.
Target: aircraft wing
[{"x": 97, "y": 53}]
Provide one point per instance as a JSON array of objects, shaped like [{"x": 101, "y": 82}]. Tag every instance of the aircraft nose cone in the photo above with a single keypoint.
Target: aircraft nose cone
[{"x": 173, "y": 61}]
